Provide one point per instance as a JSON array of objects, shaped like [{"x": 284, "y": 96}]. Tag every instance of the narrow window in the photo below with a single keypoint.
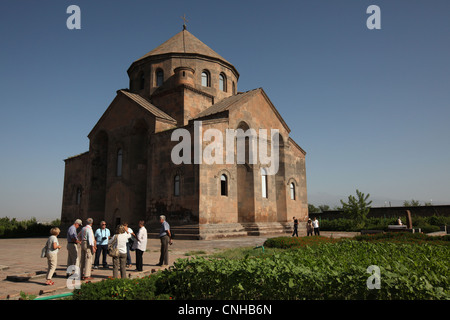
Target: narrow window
[
  {"x": 222, "y": 82},
  {"x": 264, "y": 183},
  {"x": 223, "y": 185},
  {"x": 292, "y": 187},
  {"x": 176, "y": 185},
  {"x": 78, "y": 200},
  {"x": 205, "y": 79},
  {"x": 234, "y": 88},
  {"x": 119, "y": 162},
  {"x": 159, "y": 78}
]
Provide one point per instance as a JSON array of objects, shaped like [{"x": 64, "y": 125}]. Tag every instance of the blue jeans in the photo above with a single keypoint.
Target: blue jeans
[{"x": 101, "y": 249}]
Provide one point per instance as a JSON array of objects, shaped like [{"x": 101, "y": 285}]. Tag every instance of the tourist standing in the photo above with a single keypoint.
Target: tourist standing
[
  {"x": 166, "y": 239},
  {"x": 88, "y": 248},
  {"x": 140, "y": 245},
  {"x": 72, "y": 245},
  {"x": 102, "y": 235},
  {"x": 52, "y": 254},
  {"x": 295, "y": 227},
  {"x": 316, "y": 227},
  {"x": 309, "y": 228},
  {"x": 129, "y": 231},
  {"x": 120, "y": 241}
]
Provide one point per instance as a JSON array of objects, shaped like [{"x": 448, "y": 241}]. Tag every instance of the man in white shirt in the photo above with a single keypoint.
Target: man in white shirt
[
  {"x": 140, "y": 245},
  {"x": 88, "y": 248},
  {"x": 316, "y": 226}
]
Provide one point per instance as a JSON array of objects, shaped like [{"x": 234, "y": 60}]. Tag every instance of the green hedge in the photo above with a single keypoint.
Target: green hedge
[
  {"x": 314, "y": 271},
  {"x": 328, "y": 271},
  {"x": 297, "y": 242},
  {"x": 120, "y": 289},
  {"x": 427, "y": 224},
  {"x": 405, "y": 237}
]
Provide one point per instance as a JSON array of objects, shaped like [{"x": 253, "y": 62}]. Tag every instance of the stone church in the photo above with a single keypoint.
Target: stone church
[{"x": 128, "y": 173}]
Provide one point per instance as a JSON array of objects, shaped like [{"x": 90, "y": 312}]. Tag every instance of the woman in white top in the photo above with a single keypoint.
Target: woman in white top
[
  {"x": 140, "y": 245},
  {"x": 121, "y": 237},
  {"x": 52, "y": 254}
]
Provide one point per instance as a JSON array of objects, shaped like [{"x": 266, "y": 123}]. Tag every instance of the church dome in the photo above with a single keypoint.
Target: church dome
[
  {"x": 208, "y": 72},
  {"x": 184, "y": 42}
]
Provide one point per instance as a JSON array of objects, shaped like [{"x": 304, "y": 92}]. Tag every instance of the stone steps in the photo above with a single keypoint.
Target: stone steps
[
  {"x": 224, "y": 230},
  {"x": 188, "y": 232}
]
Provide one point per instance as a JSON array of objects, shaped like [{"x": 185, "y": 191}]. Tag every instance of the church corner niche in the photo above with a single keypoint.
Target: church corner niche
[
  {"x": 99, "y": 161},
  {"x": 245, "y": 181},
  {"x": 280, "y": 183},
  {"x": 139, "y": 162}
]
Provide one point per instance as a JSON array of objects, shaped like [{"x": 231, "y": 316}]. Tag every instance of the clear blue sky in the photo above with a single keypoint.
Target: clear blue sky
[{"x": 370, "y": 107}]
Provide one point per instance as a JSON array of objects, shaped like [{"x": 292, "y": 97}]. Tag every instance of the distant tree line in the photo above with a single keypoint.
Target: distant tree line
[
  {"x": 13, "y": 228},
  {"x": 356, "y": 209}
]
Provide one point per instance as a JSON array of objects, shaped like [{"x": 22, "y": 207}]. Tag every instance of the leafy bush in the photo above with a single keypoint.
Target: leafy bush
[
  {"x": 329, "y": 271},
  {"x": 120, "y": 289},
  {"x": 297, "y": 242}
]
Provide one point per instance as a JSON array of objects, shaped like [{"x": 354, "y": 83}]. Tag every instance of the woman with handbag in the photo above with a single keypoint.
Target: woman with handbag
[
  {"x": 52, "y": 254},
  {"x": 119, "y": 242}
]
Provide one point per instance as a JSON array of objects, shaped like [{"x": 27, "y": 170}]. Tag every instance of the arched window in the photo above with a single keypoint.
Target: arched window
[
  {"x": 78, "y": 199},
  {"x": 292, "y": 189},
  {"x": 234, "y": 88},
  {"x": 223, "y": 185},
  {"x": 141, "y": 81},
  {"x": 159, "y": 78},
  {"x": 205, "y": 79},
  {"x": 223, "y": 82},
  {"x": 176, "y": 185},
  {"x": 119, "y": 162},
  {"x": 264, "y": 187}
]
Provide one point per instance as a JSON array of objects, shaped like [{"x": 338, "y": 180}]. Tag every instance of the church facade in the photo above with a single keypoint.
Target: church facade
[{"x": 129, "y": 174}]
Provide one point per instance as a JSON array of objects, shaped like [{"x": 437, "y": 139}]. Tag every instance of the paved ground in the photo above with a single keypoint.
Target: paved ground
[{"x": 19, "y": 256}]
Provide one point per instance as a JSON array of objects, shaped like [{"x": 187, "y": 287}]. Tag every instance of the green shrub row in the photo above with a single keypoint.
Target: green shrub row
[
  {"x": 392, "y": 237},
  {"x": 120, "y": 289},
  {"x": 405, "y": 237},
  {"x": 412, "y": 266},
  {"x": 329, "y": 271},
  {"x": 297, "y": 242},
  {"x": 427, "y": 224}
]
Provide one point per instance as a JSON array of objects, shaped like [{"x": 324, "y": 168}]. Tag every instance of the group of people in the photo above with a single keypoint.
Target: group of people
[
  {"x": 86, "y": 246},
  {"x": 311, "y": 226}
]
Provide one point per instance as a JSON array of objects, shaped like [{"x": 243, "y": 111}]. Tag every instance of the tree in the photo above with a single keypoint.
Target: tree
[
  {"x": 324, "y": 207},
  {"x": 357, "y": 208},
  {"x": 312, "y": 209},
  {"x": 412, "y": 203}
]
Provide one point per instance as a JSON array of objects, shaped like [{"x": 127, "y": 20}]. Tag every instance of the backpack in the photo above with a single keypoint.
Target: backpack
[{"x": 112, "y": 248}]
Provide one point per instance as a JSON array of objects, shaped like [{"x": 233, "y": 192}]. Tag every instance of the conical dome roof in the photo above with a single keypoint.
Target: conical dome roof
[{"x": 184, "y": 42}]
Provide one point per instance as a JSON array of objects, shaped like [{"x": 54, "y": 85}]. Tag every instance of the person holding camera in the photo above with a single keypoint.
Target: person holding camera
[{"x": 102, "y": 235}]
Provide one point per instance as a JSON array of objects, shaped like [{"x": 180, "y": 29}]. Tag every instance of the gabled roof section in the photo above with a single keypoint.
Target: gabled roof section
[
  {"x": 147, "y": 105},
  {"x": 140, "y": 102},
  {"x": 227, "y": 103},
  {"x": 184, "y": 42}
]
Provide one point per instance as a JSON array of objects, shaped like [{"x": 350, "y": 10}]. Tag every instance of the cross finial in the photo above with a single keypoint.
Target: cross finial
[{"x": 185, "y": 21}]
